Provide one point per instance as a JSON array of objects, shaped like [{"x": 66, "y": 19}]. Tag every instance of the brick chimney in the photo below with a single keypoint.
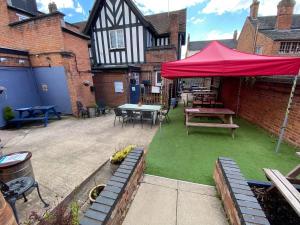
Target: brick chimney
[
  {"x": 235, "y": 34},
  {"x": 285, "y": 14},
  {"x": 254, "y": 9},
  {"x": 174, "y": 29},
  {"x": 52, "y": 7}
]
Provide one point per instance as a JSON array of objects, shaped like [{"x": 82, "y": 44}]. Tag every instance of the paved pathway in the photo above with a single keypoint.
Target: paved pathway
[{"x": 162, "y": 201}]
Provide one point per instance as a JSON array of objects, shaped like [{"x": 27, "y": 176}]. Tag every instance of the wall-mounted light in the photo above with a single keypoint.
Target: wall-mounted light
[{"x": 2, "y": 89}]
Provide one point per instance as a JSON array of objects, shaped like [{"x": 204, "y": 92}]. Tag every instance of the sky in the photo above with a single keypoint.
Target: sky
[{"x": 206, "y": 19}]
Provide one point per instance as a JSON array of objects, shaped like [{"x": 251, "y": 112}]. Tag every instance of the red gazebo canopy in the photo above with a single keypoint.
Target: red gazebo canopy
[{"x": 219, "y": 60}]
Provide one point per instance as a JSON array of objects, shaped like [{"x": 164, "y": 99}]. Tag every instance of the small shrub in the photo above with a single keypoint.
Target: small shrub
[
  {"x": 8, "y": 113},
  {"x": 119, "y": 156},
  {"x": 61, "y": 216}
]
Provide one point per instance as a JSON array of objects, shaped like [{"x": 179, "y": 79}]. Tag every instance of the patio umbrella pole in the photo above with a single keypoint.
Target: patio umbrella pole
[{"x": 282, "y": 129}]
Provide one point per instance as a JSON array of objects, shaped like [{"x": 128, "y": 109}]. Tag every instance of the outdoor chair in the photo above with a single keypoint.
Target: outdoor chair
[
  {"x": 147, "y": 116},
  {"x": 133, "y": 116},
  {"x": 121, "y": 115},
  {"x": 101, "y": 108},
  {"x": 16, "y": 189},
  {"x": 164, "y": 115},
  {"x": 81, "y": 110}
]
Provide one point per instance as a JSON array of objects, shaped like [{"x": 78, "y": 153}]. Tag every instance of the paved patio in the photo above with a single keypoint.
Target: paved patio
[
  {"x": 171, "y": 202},
  {"x": 68, "y": 151}
]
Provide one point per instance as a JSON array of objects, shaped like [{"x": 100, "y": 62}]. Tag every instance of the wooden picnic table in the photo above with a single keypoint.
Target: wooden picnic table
[
  {"x": 29, "y": 114},
  {"x": 209, "y": 103},
  {"x": 224, "y": 114},
  {"x": 290, "y": 193},
  {"x": 284, "y": 184}
]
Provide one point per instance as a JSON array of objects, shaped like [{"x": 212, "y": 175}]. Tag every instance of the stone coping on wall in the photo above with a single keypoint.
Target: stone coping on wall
[
  {"x": 112, "y": 204},
  {"x": 241, "y": 206}
]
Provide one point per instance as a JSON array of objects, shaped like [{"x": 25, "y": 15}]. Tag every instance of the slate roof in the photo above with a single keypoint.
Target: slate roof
[
  {"x": 161, "y": 21},
  {"x": 199, "y": 45},
  {"x": 266, "y": 25},
  {"x": 80, "y": 25}
]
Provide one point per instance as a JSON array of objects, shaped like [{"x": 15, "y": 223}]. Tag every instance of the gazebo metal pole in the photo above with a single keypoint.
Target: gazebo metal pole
[
  {"x": 239, "y": 98},
  {"x": 285, "y": 121}
]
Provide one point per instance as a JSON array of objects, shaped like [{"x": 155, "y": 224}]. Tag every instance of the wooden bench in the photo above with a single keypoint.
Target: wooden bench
[
  {"x": 19, "y": 121},
  {"x": 289, "y": 192},
  {"x": 213, "y": 125}
]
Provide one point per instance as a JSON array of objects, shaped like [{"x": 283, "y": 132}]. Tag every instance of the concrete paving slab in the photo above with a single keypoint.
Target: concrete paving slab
[
  {"x": 198, "y": 209},
  {"x": 68, "y": 151},
  {"x": 197, "y": 188},
  {"x": 153, "y": 205},
  {"x": 161, "y": 181},
  {"x": 163, "y": 201}
]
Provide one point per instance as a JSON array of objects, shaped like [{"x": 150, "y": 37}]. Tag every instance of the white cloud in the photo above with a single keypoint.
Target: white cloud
[
  {"x": 195, "y": 20},
  {"x": 267, "y": 7},
  {"x": 61, "y": 4},
  {"x": 79, "y": 8},
  {"x": 216, "y": 35},
  {"x": 156, "y": 6}
]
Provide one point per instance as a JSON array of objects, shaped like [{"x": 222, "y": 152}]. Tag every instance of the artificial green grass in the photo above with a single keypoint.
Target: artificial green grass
[{"x": 175, "y": 155}]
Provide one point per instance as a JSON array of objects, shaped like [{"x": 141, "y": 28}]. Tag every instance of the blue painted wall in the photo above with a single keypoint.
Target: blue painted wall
[
  {"x": 31, "y": 87},
  {"x": 55, "y": 91},
  {"x": 21, "y": 89}
]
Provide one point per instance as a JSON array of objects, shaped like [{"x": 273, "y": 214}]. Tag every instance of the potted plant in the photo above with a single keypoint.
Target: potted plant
[
  {"x": 92, "y": 110},
  {"x": 8, "y": 113},
  {"x": 95, "y": 192}
]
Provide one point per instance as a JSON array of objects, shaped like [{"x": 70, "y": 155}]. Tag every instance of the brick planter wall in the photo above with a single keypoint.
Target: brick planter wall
[
  {"x": 241, "y": 207},
  {"x": 112, "y": 205}
]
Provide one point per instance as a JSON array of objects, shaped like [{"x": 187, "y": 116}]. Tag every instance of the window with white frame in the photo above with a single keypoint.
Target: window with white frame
[
  {"x": 289, "y": 47},
  {"x": 116, "y": 39},
  {"x": 158, "y": 79}
]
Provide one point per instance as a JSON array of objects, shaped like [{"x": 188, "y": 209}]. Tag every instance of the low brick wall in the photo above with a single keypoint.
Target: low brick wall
[
  {"x": 112, "y": 205},
  {"x": 241, "y": 207}
]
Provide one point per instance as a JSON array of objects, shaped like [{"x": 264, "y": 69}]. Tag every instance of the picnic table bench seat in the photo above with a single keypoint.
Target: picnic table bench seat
[
  {"x": 18, "y": 121},
  {"x": 289, "y": 192},
  {"x": 213, "y": 125}
]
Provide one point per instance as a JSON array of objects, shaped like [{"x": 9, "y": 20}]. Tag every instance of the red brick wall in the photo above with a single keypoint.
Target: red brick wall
[
  {"x": 264, "y": 104},
  {"x": 45, "y": 41},
  {"x": 105, "y": 89}
]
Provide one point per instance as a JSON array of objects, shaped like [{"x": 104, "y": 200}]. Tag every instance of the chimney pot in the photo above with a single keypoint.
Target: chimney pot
[
  {"x": 254, "y": 9},
  {"x": 52, "y": 7}
]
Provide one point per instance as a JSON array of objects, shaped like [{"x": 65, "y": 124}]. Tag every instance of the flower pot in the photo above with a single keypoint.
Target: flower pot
[
  {"x": 95, "y": 192},
  {"x": 92, "y": 112}
]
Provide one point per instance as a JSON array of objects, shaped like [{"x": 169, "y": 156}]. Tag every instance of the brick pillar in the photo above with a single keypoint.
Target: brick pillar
[{"x": 285, "y": 14}]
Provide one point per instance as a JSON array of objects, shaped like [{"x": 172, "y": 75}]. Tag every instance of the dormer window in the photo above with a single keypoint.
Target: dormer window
[{"x": 116, "y": 39}]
